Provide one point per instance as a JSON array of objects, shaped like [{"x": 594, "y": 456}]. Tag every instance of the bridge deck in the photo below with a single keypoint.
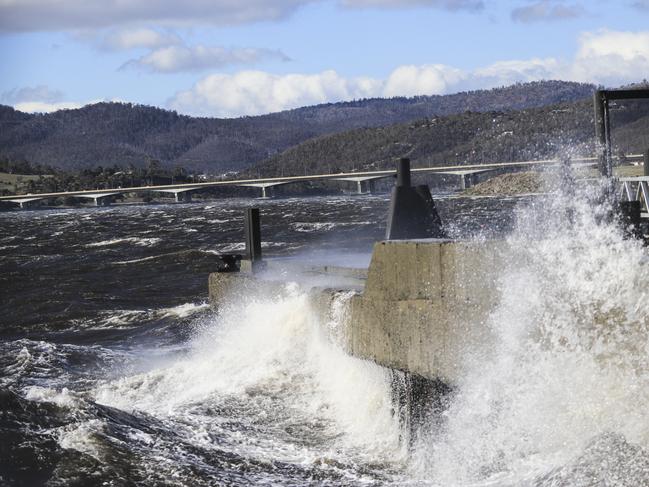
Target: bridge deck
[{"x": 261, "y": 182}]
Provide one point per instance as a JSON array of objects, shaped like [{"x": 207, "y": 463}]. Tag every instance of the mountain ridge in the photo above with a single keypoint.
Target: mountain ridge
[
  {"x": 107, "y": 134},
  {"x": 467, "y": 138}
]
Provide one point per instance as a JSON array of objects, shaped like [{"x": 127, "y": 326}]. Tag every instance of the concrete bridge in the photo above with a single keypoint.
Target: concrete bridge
[{"x": 364, "y": 181}]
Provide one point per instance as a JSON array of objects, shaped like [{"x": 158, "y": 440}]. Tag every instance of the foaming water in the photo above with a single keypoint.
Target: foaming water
[
  {"x": 563, "y": 397},
  {"x": 143, "y": 242},
  {"x": 269, "y": 368},
  {"x": 114, "y": 370}
]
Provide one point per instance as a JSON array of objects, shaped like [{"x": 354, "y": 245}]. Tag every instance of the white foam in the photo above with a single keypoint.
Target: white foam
[
  {"x": 570, "y": 360},
  {"x": 122, "y": 318},
  {"x": 133, "y": 261},
  {"x": 269, "y": 352},
  {"x": 185, "y": 310},
  {"x": 62, "y": 397},
  {"x": 233, "y": 247},
  {"x": 82, "y": 438},
  {"x": 308, "y": 227},
  {"x": 142, "y": 242}
]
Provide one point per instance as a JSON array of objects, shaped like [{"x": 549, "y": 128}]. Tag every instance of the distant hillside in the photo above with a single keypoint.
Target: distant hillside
[
  {"x": 108, "y": 134},
  {"x": 467, "y": 138}
]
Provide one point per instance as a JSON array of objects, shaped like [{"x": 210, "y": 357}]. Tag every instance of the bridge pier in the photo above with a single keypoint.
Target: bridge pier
[
  {"x": 27, "y": 204},
  {"x": 466, "y": 181},
  {"x": 265, "y": 193},
  {"x": 183, "y": 197},
  {"x": 102, "y": 201},
  {"x": 366, "y": 186}
]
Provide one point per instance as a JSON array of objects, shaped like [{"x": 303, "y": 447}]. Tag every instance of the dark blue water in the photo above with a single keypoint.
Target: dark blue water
[{"x": 114, "y": 371}]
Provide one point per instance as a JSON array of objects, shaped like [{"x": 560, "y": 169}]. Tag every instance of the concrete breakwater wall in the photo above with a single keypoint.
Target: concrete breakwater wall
[
  {"x": 425, "y": 305},
  {"x": 422, "y": 309}
]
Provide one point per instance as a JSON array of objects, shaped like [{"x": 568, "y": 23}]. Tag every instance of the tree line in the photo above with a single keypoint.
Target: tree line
[{"x": 53, "y": 180}]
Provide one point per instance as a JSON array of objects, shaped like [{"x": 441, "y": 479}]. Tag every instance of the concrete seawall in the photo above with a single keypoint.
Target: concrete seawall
[
  {"x": 423, "y": 309},
  {"x": 425, "y": 305}
]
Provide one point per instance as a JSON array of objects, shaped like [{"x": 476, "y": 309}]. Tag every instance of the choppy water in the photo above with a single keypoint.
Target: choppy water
[{"x": 115, "y": 372}]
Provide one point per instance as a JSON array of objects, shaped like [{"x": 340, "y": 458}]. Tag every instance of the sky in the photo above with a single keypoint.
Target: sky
[{"x": 231, "y": 58}]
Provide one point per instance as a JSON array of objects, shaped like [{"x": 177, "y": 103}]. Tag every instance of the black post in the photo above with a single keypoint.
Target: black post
[
  {"x": 646, "y": 163},
  {"x": 412, "y": 211},
  {"x": 599, "y": 116},
  {"x": 603, "y": 133},
  {"x": 252, "y": 229},
  {"x": 608, "y": 147},
  {"x": 403, "y": 172}
]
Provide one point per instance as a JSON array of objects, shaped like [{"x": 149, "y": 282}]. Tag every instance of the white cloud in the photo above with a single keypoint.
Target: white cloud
[
  {"x": 44, "y": 107},
  {"x": 544, "y": 10},
  {"x": 509, "y": 72},
  {"x": 177, "y": 58},
  {"x": 167, "y": 52},
  {"x": 611, "y": 57},
  {"x": 32, "y": 15},
  {"x": 124, "y": 39},
  {"x": 40, "y": 93},
  {"x": 422, "y": 80},
  {"x": 444, "y": 4},
  {"x": 604, "y": 57},
  {"x": 39, "y": 15},
  {"x": 627, "y": 45},
  {"x": 256, "y": 92},
  {"x": 40, "y": 99}
]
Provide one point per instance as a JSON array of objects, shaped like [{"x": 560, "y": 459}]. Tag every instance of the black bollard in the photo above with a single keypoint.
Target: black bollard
[
  {"x": 412, "y": 210},
  {"x": 403, "y": 173},
  {"x": 645, "y": 163},
  {"x": 599, "y": 102},
  {"x": 252, "y": 230},
  {"x": 251, "y": 261}
]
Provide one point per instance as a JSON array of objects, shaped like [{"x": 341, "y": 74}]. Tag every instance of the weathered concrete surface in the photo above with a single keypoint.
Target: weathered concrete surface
[
  {"x": 270, "y": 282},
  {"x": 424, "y": 308},
  {"x": 425, "y": 305},
  {"x": 237, "y": 287}
]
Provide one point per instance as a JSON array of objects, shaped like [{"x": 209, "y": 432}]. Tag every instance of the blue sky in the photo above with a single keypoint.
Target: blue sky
[{"x": 230, "y": 58}]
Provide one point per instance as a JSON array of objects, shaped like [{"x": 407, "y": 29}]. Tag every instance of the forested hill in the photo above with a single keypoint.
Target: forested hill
[
  {"x": 466, "y": 138},
  {"x": 107, "y": 134}
]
